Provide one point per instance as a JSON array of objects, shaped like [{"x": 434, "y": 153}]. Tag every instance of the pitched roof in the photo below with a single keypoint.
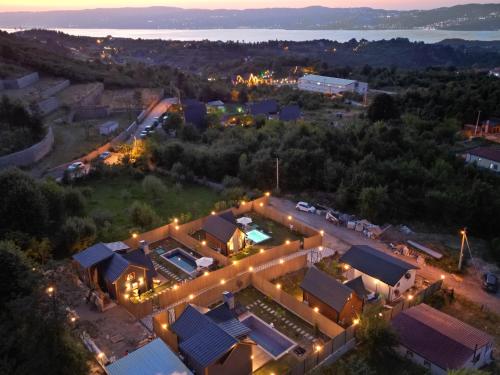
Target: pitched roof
[
  {"x": 219, "y": 227},
  {"x": 138, "y": 257},
  {"x": 326, "y": 288},
  {"x": 440, "y": 338},
  {"x": 93, "y": 255},
  {"x": 290, "y": 113},
  {"x": 264, "y": 107},
  {"x": 358, "y": 287},
  {"x": 215, "y": 103},
  {"x": 207, "y": 337},
  {"x": 153, "y": 358},
  {"x": 114, "y": 267},
  {"x": 329, "y": 80},
  {"x": 377, "y": 264},
  {"x": 490, "y": 153},
  {"x": 228, "y": 216}
]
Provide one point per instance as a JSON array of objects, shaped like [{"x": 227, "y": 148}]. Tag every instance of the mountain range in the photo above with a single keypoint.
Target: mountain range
[{"x": 460, "y": 17}]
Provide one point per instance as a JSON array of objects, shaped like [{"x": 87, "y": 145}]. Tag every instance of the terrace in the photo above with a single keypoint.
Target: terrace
[{"x": 272, "y": 355}]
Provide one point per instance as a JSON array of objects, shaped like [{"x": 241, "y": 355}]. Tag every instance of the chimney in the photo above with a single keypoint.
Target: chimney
[
  {"x": 144, "y": 246},
  {"x": 228, "y": 299}
]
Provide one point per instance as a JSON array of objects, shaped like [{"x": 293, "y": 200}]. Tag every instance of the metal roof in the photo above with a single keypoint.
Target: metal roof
[
  {"x": 154, "y": 358},
  {"x": 358, "y": 287},
  {"x": 290, "y": 113},
  {"x": 324, "y": 287},
  {"x": 138, "y": 258},
  {"x": 491, "y": 153},
  {"x": 114, "y": 267},
  {"x": 205, "y": 337},
  {"x": 264, "y": 107},
  {"x": 439, "y": 338},
  {"x": 93, "y": 255},
  {"x": 219, "y": 227},
  {"x": 377, "y": 264},
  {"x": 329, "y": 80}
]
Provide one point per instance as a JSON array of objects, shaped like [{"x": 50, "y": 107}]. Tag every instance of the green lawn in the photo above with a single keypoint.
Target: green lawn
[{"x": 114, "y": 196}]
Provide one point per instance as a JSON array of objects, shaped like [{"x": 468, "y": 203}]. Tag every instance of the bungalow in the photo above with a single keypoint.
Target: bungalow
[
  {"x": 213, "y": 342},
  {"x": 216, "y": 106},
  {"x": 290, "y": 113},
  {"x": 333, "y": 299},
  {"x": 381, "y": 273},
  {"x": 222, "y": 233},
  {"x": 441, "y": 342},
  {"x": 484, "y": 157},
  {"x": 119, "y": 274},
  {"x": 153, "y": 358},
  {"x": 266, "y": 108}
]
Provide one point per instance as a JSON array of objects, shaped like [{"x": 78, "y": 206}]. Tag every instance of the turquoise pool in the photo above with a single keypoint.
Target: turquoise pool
[{"x": 256, "y": 236}]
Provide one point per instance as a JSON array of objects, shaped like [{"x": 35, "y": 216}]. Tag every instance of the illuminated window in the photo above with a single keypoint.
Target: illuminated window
[{"x": 131, "y": 276}]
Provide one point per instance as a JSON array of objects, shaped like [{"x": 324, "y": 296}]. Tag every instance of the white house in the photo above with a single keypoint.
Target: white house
[
  {"x": 331, "y": 85},
  {"x": 381, "y": 273},
  {"x": 439, "y": 341},
  {"x": 484, "y": 157}
]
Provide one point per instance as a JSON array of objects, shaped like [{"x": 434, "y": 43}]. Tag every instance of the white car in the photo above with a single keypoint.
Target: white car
[
  {"x": 75, "y": 166},
  {"x": 306, "y": 207}
]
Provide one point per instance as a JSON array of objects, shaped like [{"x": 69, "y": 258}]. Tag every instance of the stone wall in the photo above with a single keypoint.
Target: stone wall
[
  {"x": 57, "y": 88},
  {"x": 21, "y": 82},
  {"x": 29, "y": 155},
  {"x": 48, "y": 105}
]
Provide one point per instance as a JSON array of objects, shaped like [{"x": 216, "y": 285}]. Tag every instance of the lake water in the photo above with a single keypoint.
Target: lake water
[{"x": 260, "y": 35}]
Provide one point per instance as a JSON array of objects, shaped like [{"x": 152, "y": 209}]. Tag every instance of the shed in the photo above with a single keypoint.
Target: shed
[{"x": 290, "y": 113}]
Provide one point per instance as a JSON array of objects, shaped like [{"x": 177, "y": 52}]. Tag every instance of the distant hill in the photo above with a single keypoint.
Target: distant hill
[{"x": 460, "y": 17}]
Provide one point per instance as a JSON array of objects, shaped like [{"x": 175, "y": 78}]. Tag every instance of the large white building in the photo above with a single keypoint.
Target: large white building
[{"x": 331, "y": 85}]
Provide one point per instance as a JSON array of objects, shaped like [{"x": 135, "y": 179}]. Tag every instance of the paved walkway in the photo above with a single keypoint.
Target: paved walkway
[{"x": 325, "y": 252}]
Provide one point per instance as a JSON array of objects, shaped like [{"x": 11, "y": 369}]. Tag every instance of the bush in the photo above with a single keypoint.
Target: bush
[
  {"x": 76, "y": 234},
  {"x": 143, "y": 215},
  {"x": 154, "y": 187}
]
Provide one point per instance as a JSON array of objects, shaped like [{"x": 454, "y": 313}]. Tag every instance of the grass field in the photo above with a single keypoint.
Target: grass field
[{"x": 116, "y": 195}]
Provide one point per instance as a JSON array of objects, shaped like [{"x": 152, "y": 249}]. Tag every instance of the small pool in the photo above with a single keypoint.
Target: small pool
[
  {"x": 181, "y": 259},
  {"x": 256, "y": 236},
  {"x": 273, "y": 342}
]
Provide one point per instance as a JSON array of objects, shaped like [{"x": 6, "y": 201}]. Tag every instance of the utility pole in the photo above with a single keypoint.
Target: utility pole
[
  {"x": 465, "y": 241},
  {"x": 277, "y": 175},
  {"x": 477, "y": 122}
]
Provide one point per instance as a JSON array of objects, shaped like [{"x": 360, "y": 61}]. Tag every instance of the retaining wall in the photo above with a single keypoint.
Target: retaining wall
[
  {"x": 48, "y": 105},
  {"x": 29, "y": 155},
  {"x": 22, "y": 82},
  {"x": 57, "y": 88}
]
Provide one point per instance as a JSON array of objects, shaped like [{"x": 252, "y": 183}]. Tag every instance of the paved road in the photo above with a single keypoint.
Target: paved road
[
  {"x": 156, "y": 112},
  {"x": 340, "y": 238}
]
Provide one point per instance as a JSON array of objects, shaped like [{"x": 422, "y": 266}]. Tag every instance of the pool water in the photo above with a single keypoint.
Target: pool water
[
  {"x": 267, "y": 337},
  {"x": 256, "y": 236},
  {"x": 182, "y": 260}
]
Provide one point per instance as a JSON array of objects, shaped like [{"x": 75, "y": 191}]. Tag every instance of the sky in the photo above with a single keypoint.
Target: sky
[{"x": 41, "y": 5}]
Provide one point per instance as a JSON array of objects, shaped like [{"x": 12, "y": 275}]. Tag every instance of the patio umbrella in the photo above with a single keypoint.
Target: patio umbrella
[
  {"x": 244, "y": 220},
  {"x": 204, "y": 262}
]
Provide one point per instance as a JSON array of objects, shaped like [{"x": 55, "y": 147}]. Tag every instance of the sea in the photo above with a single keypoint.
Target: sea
[{"x": 264, "y": 35}]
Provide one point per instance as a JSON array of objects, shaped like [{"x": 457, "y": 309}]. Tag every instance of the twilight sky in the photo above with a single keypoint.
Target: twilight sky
[{"x": 34, "y": 5}]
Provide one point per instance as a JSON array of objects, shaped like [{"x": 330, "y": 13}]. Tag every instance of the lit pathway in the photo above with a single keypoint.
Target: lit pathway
[{"x": 312, "y": 257}]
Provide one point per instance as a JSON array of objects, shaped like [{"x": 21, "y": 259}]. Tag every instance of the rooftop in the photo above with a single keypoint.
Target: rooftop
[
  {"x": 264, "y": 107},
  {"x": 220, "y": 227},
  {"x": 326, "y": 288},
  {"x": 329, "y": 80},
  {"x": 290, "y": 113},
  {"x": 438, "y": 337},
  {"x": 490, "y": 153},
  {"x": 93, "y": 255},
  {"x": 377, "y": 264},
  {"x": 153, "y": 358}
]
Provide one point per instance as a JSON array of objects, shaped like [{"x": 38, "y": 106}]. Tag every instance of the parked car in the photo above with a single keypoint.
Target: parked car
[
  {"x": 105, "y": 155},
  {"x": 143, "y": 134},
  {"x": 75, "y": 166},
  {"x": 490, "y": 282},
  {"x": 332, "y": 218},
  {"x": 148, "y": 128},
  {"x": 306, "y": 207}
]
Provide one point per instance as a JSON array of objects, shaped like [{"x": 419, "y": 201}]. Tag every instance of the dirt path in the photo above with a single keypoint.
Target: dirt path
[{"x": 340, "y": 238}]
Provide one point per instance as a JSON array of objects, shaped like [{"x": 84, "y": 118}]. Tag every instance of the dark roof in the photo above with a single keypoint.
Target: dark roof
[
  {"x": 377, "y": 264},
  {"x": 114, "y": 267},
  {"x": 264, "y": 107},
  {"x": 194, "y": 113},
  {"x": 358, "y": 286},
  {"x": 93, "y": 255},
  {"x": 207, "y": 337},
  {"x": 290, "y": 113},
  {"x": 490, "y": 153},
  {"x": 493, "y": 121},
  {"x": 439, "y": 338},
  {"x": 228, "y": 216},
  {"x": 139, "y": 258},
  {"x": 226, "y": 319},
  {"x": 219, "y": 227},
  {"x": 326, "y": 288}
]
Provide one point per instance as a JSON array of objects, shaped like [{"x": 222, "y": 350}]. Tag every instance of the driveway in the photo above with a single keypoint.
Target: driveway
[
  {"x": 157, "y": 111},
  {"x": 341, "y": 239}
]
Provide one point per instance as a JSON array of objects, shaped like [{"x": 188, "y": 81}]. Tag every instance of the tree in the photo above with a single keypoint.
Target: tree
[
  {"x": 373, "y": 202},
  {"x": 74, "y": 202},
  {"x": 382, "y": 108},
  {"x": 76, "y": 234},
  {"x": 153, "y": 187},
  {"x": 143, "y": 215},
  {"x": 173, "y": 122}
]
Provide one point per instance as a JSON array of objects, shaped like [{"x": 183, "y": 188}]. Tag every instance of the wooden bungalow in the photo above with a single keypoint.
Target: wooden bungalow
[{"x": 222, "y": 233}]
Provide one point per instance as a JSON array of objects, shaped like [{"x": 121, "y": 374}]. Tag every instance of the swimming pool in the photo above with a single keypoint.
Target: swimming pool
[
  {"x": 256, "y": 236},
  {"x": 181, "y": 259},
  {"x": 273, "y": 342}
]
